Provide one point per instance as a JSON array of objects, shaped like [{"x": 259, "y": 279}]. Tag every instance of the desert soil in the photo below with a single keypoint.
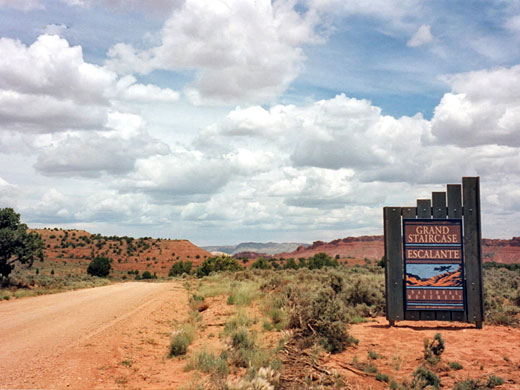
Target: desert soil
[
  {"x": 107, "y": 337},
  {"x": 117, "y": 337}
]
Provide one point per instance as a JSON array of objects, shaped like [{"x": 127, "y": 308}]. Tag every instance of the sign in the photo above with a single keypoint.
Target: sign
[{"x": 433, "y": 261}]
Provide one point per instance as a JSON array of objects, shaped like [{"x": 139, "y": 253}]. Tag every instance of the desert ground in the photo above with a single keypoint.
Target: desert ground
[{"x": 118, "y": 336}]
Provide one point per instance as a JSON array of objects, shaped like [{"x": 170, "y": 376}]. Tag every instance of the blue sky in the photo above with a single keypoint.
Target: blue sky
[{"x": 242, "y": 120}]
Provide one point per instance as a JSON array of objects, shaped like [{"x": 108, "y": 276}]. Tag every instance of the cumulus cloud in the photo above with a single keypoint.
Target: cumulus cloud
[
  {"x": 48, "y": 87},
  {"x": 242, "y": 50},
  {"x": 422, "y": 36},
  {"x": 482, "y": 108},
  {"x": 129, "y": 90},
  {"x": 95, "y": 153}
]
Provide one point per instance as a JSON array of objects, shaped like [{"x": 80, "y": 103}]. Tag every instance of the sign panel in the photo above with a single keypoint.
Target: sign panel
[{"x": 433, "y": 261}]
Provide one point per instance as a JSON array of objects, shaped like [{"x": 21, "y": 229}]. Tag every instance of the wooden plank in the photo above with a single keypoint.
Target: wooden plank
[
  {"x": 440, "y": 212},
  {"x": 411, "y": 315},
  {"x": 454, "y": 201},
  {"x": 439, "y": 204},
  {"x": 424, "y": 208},
  {"x": 455, "y": 212},
  {"x": 472, "y": 249},
  {"x": 394, "y": 264}
]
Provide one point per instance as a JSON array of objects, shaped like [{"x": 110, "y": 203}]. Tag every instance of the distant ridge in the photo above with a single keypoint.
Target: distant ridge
[{"x": 267, "y": 248}]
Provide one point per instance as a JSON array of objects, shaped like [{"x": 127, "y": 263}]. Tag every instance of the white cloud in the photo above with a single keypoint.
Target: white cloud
[
  {"x": 422, "y": 36},
  {"x": 55, "y": 29},
  {"x": 513, "y": 23},
  {"x": 95, "y": 153},
  {"x": 130, "y": 91},
  {"x": 48, "y": 87},
  {"x": 51, "y": 67},
  {"x": 242, "y": 50},
  {"x": 482, "y": 108}
]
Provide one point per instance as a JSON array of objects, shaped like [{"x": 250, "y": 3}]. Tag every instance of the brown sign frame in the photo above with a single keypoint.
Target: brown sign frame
[{"x": 460, "y": 202}]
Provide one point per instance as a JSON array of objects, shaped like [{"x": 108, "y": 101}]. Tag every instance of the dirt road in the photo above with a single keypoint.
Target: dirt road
[{"x": 106, "y": 337}]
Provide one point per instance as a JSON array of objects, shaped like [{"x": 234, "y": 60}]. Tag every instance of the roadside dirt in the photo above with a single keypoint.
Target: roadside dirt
[
  {"x": 108, "y": 337},
  {"x": 117, "y": 337},
  {"x": 493, "y": 350}
]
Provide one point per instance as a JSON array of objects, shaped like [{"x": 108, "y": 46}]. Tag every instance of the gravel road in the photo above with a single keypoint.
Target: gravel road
[{"x": 62, "y": 340}]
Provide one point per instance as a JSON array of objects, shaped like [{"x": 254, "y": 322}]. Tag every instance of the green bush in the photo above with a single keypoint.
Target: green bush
[
  {"x": 180, "y": 340},
  {"x": 320, "y": 260},
  {"x": 433, "y": 349},
  {"x": 320, "y": 315},
  {"x": 425, "y": 379},
  {"x": 100, "y": 266},
  {"x": 147, "y": 275},
  {"x": 261, "y": 263},
  {"x": 180, "y": 267},
  {"x": 216, "y": 264},
  {"x": 455, "y": 365}
]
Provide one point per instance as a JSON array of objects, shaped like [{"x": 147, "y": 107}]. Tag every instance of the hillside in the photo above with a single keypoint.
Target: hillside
[
  {"x": 267, "y": 248},
  {"x": 372, "y": 247},
  {"x": 127, "y": 253}
]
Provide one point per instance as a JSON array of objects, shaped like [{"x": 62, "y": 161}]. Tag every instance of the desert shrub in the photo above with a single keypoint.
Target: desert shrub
[
  {"x": 216, "y": 264},
  {"x": 244, "y": 351},
  {"x": 242, "y": 293},
  {"x": 425, "y": 379},
  {"x": 290, "y": 264},
  {"x": 320, "y": 260},
  {"x": 494, "y": 381},
  {"x": 476, "y": 384},
  {"x": 455, "y": 365},
  {"x": 502, "y": 296},
  {"x": 261, "y": 263},
  {"x": 320, "y": 316},
  {"x": 181, "y": 339},
  {"x": 147, "y": 275},
  {"x": 382, "y": 377},
  {"x": 433, "y": 349},
  {"x": 100, "y": 266},
  {"x": 208, "y": 363}
]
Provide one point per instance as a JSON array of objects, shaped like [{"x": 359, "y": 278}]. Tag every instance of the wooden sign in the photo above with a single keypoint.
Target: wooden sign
[
  {"x": 433, "y": 264},
  {"x": 433, "y": 257}
]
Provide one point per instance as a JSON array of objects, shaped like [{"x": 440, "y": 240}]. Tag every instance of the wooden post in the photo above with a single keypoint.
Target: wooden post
[
  {"x": 394, "y": 264},
  {"x": 472, "y": 249}
]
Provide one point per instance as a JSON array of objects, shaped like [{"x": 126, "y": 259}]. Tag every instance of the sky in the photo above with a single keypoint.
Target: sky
[{"x": 227, "y": 121}]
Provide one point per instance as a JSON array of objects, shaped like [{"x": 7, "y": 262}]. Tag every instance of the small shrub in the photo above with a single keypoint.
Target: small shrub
[
  {"x": 382, "y": 377},
  {"x": 99, "y": 266},
  {"x": 261, "y": 263},
  {"x": 147, "y": 275},
  {"x": 180, "y": 340},
  {"x": 180, "y": 267},
  {"x": 455, "y": 365},
  {"x": 425, "y": 379},
  {"x": 494, "y": 381},
  {"x": 216, "y": 264},
  {"x": 434, "y": 349}
]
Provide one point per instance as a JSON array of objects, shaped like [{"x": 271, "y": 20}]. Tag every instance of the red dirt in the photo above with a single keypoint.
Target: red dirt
[
  {"x": 154, "y": 255},
  {"x": 493, "y": 350},
  {"x": 107, "y": 337}
]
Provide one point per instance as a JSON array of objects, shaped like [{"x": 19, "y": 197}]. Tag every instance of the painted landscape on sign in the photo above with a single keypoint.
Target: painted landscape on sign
[{"x": 434, "y": 275}]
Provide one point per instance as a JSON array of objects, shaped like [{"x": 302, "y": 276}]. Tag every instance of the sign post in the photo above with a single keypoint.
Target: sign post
[{"x": 433, "y": 257}]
